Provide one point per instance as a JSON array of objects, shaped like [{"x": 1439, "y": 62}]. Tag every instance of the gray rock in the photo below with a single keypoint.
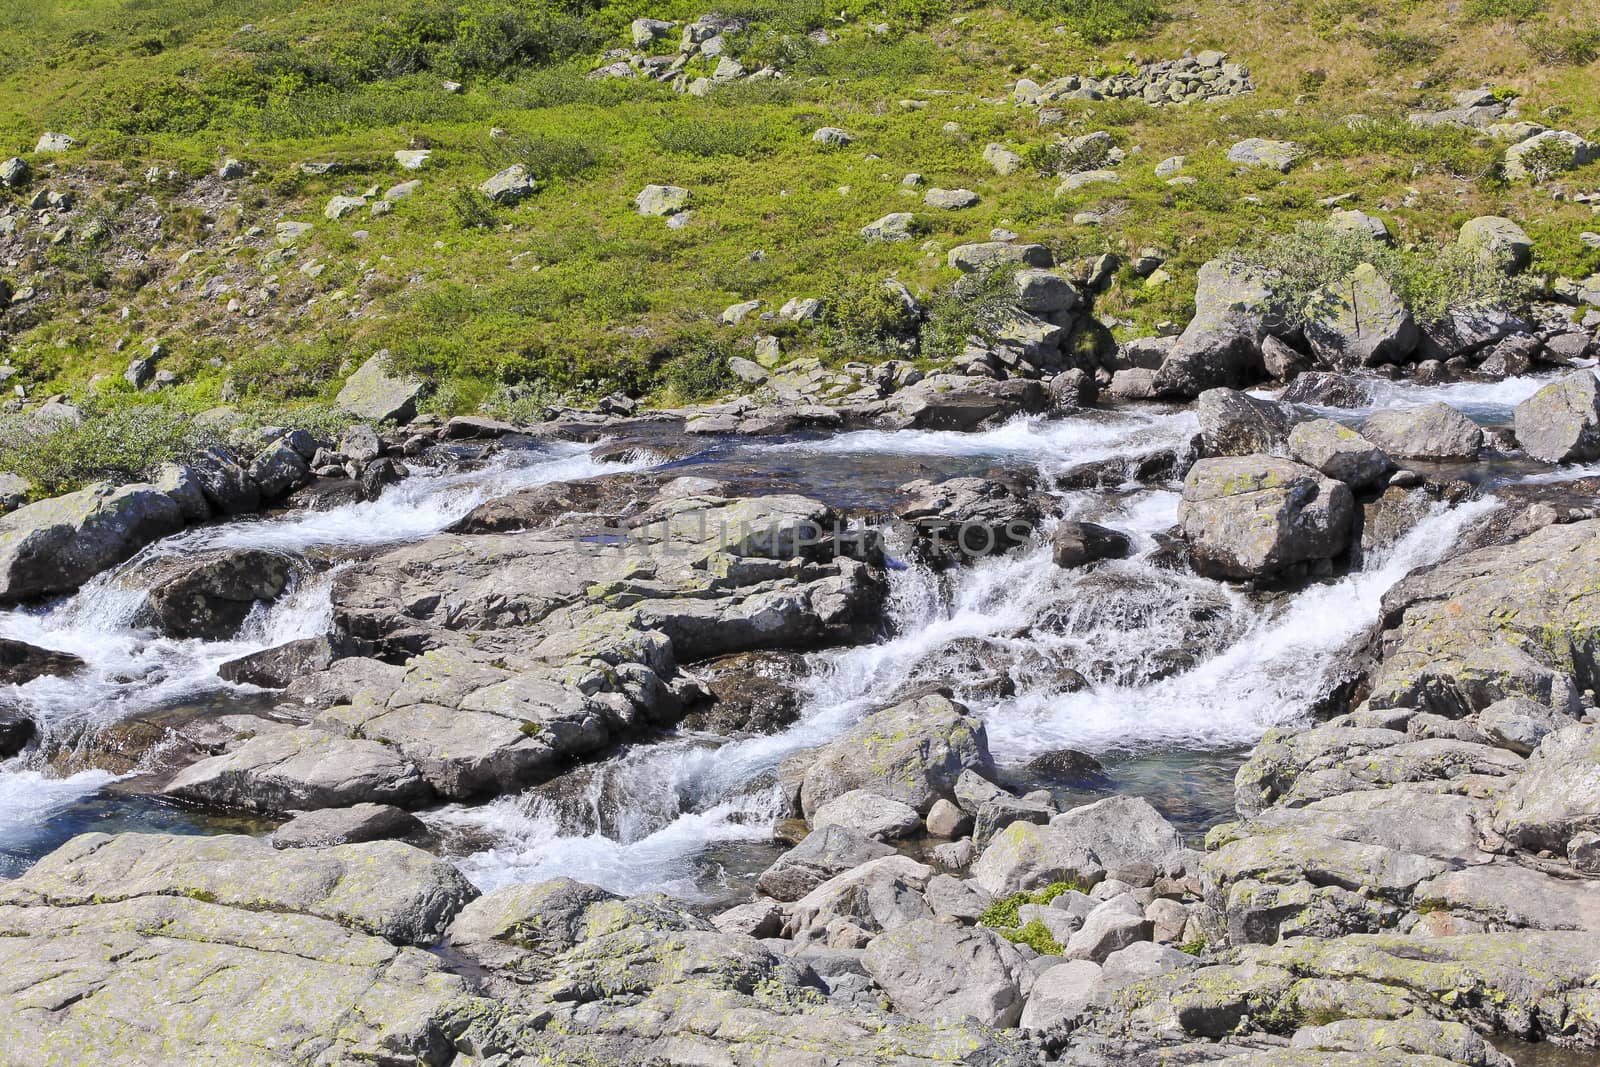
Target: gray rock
[
  {"x": 1324, "y": 389},
  {"x": 893, "y": 227},
  {"x": 210, "y": 595},
  {"x": 912, "y": 752},
  {"x": 948, "y": 895},
  {"x": 760, "y": 918},
  {"x": 372, "y": 393},
  {"x": 1237, "y": 424},
  {"x": 510, "y": 185},
  {"x": 987, "y": 255},
  {"x": 1339, "y": 452},
  {"x": 56, "y": 545},
  {"x": 1059, "y": 997},
  {"x": 1359, "y": 321},
  {"x": 1043, "y": 292},
  {"x": 1115, "y": 924},
  {"x": 14, "y": 173},
  {"x": 1359, "y": 222},
  {"x": 1025, "y": 856},
  {"x": 1498, "y": 239},
  {"x": 868, "y": 813},
  {"x": 1503, "y": 895},
  {"x": 826, "y": 852},
  {"x": 54, "y": 142},
  {"x": 1234, "y": 309},
  {"x": 1561, "y": 422},
  {"x": 661, "y": 200},
  {"x": 947, "y": 820},
  {"x": 1257, "y": 516},
  {"x": 1520, "y": 724},
  {"x": 646, "y": 32},
  {"x": 296, "y": 770},
  {"x": 279, "y": 469},
  {"x": 933, "y": 971},
  {"x": 1142, "y": 960},
  {"x": 1121, "y": 832},
  {"x": 1420, "y": 1037},
  {"x": 1558, "y": 794},
  {"x": 882, "y": 894},
  {"x": 346, "y": 826},
  {"x": 1583, "y": 852},
  {"x": 950, "y": 199},
  {"x": 1545, "y": 154},
  {"x": 1261, "y": 152},
  {"x": 1433, "y": 431},
  {"x": 832, "y": 135}
]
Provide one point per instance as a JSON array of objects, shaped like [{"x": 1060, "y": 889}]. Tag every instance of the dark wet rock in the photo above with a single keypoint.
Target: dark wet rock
[
  {"x": 56, "y": 545},
  {"x": 279, "y": 469},
  {"x": 1237, "y": 424},
  {"x": 1066, "y": 766},
  {"x": 227, "y": 486},
  {"x": 16, "y": 730},
  {"x": 829, "y": 851},
  {"x": 967, "y": 518},
  {"x": 1327, "y": 389},
  {"x": 346, "y": 826},
  {"x": 1074, "y": 544},
  {"x": 379, "y": 474},
  {"x": 276, "y": 668},
  {"x": 1258, "y": 516},
  {"x": 749, "y": 692},
  {"x": 209, "y": 595},
  {"x": 1434, "y": 431},
  {"x": 21, "y": 663}
]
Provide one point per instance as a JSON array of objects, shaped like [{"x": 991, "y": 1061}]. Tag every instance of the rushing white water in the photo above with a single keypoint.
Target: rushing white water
[
  {"x": 132, "y": 670},
  {"x": 647, "y": 820},
  {"x": 1490, "y": 403}
]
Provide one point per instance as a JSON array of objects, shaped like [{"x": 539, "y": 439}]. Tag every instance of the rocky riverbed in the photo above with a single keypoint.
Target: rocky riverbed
[{"x": 1258, "y": 730}]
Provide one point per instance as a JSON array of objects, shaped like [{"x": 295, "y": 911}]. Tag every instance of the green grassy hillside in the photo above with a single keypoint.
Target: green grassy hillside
[{"x": 570, "y": 291}]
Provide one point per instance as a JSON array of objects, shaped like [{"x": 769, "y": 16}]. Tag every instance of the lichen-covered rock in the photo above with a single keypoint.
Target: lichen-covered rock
[
  {"x": 1433, "y": 431},
  {"x": 1235, "y": 308},
  {"x": 56, "y": 545},
  {"x": 875, "y": 816},
  {"x": 1339, "y": 452},
  {"x": 374, "y": 394},
  {"x": 1507, "y": 620},
  {"x": 912, "y": 752},
  {"x": 1261, "y": 152},
  {"x": 1497, "y": 239},
  {"x": 1561, "y": 422},
  {"x": 1122, "y": 832},
  {"x": 1359, "y": 321},
  {"x": 510, "y": 185},
  {"x": 661, "y": 200},
  {"x": 1258, "y": 516},
  {"x": 936, "y": 972},
  {"x": 1558, "y": 794},
  {"x": 294, "y": 770},
  {"x": 1026, "y": 856}
]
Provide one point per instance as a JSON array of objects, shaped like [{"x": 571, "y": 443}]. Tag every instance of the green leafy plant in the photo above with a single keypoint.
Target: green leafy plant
[{"x": 1098, "y": 21}]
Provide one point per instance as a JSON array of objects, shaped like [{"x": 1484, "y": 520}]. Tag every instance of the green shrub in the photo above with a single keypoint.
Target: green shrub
[
  {"x": 1003, "y": 914},
  {"x": 471, "y": 209},
  {"x": 1572, "y": 45},
  {"x": 1403, "y": 49},
  {"x": 1036, "y": 935},
  {"x": 707, "y": 137},
  {"x": 700, "y": 372},
  {"x": 548, "y": 156},
  {"x": 120, "y": 442},
  {"x": 1431, "y": 280},
  {"x": 972, "y": 306},
  {"x": 863, "y": 319}
]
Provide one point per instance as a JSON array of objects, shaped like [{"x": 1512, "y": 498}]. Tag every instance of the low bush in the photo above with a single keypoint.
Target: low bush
[
  {"x": 1431, "y": 280},
  {"x": 1097, "y": 21}
]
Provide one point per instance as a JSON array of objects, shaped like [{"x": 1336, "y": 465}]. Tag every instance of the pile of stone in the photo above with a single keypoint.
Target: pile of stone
[
  {"x": 702, "y": 45},
  {"x": 1192, "y": 78}
]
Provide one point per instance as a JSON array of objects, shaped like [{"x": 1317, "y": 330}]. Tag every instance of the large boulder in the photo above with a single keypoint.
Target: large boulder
[
  {"x": 1497, "y": 239},
  {"x": 210, "y": 595},
  {"x": 935, "y": 971},
  {"x": 987, "y": 255},
  {"x": 912, "y": 752},
  {"x": 1558, "y": 794},
  {"x": 1027, "y": 856},
  {"x": 225, "y": 485},
  {"x": 1561, "y": 422},
  {"x": 150, "y": 949},
  {"x": 1234, "y": 308},
  {"x": 56, "y": 545},
  {"x": 1433, "y": 431},
  {"x": 295, "y": 770},
  {"x": 372, "y": 393},
  {"x": 1233, "y": 423},
  {"x": 1263, "y": 152},
  {"x": 1258, "y": 516},
  {"x": 1339, "y": 452},
  {"x": 388, "y": 889},
  {"x": 1122, "y": 832},
  {"x": 1359, "y": 321},
  {"x": 955, "y": 402},
  {"x": 1510, "y": 620},
  {"x": 509, "y": 186}
]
